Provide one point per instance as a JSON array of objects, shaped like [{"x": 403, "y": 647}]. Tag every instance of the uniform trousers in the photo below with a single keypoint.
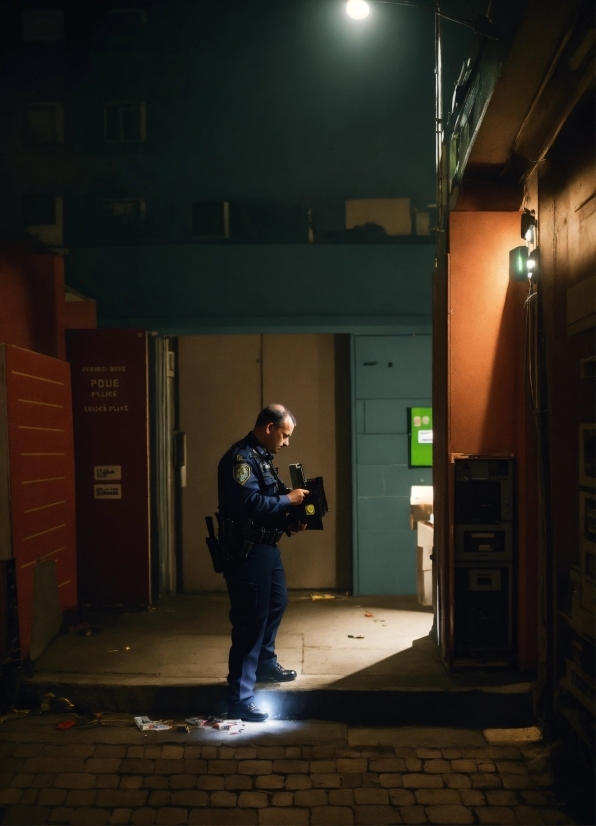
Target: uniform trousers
[{"x": 258, "y": 599}]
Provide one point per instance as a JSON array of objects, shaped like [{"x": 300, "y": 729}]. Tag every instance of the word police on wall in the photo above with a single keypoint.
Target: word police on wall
[{"x": 105, "y": 385}]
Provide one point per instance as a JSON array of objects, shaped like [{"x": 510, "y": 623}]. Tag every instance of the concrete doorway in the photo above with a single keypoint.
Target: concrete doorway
[{"x": 224, "y": 380}]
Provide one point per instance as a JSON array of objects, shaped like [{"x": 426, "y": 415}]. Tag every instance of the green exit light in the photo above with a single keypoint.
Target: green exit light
[{"x": 420, "y": 430}]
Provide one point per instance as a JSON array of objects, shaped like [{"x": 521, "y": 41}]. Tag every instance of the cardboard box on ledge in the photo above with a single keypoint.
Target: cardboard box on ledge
[{"x": 421, "y": 504}]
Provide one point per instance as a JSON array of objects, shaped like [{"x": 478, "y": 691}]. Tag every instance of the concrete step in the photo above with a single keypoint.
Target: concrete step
[{"x": 501, "y": 706}]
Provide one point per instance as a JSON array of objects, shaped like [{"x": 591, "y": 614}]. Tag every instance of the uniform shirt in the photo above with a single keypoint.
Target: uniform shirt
[{"x": 247, "y": 487}]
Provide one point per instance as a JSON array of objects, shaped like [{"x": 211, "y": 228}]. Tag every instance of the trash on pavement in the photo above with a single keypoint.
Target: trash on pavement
[
  {"x": 196, "y": 721},
  {"x": 145, "y": 724},
  {"x": 66, "y": 724},
  {"x": 113, "y": 650},
  {"x": 355, "y": 636},
  {"x": 225, "y": 725},
  {"x": 61, "y": 704},
  {"x": 218, "y": 723},
  {"x": 368, "y": 614},
  {"x": 322, "y": 596}
]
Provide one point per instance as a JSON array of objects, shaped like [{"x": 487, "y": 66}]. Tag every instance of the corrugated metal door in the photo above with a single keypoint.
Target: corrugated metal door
[
  {"x": 38, "y": 420},
  {"x": 391, "y": 373}
]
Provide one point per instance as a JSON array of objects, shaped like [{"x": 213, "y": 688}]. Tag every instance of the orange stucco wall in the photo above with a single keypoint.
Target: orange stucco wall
[
  {"x": 487, "y": 409},
  {"x": 32, "y": 301},
  {"x": 486, "y": 333}
]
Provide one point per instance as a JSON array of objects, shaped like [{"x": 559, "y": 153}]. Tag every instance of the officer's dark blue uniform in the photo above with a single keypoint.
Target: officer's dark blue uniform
[{"x": 249, "y": 490}]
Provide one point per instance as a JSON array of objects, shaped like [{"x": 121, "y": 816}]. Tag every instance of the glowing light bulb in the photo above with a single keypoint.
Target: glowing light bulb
[{"x": 357, "y": 9}]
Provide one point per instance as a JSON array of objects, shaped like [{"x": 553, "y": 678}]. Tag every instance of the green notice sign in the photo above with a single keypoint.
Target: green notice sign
[{"x": 421, "y": 436}]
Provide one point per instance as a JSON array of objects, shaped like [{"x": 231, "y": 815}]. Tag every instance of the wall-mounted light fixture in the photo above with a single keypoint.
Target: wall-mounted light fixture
[
  {"x": 518, "y": 264},
  {"x": 524, "y": 261},
  {"x": 528, "y": 227},
  {"x": 533, "y": 264}
]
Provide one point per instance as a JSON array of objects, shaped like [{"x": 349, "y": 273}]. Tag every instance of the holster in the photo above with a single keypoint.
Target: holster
[{"x": 217, "y": 551}]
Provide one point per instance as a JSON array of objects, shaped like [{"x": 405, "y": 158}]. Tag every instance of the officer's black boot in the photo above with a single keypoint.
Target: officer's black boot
[
  {"x": 246, "y": 711},
  {"x": 275, "y": 674}
]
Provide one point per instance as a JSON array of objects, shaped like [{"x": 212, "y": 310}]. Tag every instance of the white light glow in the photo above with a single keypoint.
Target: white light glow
[{"x": 357, "y": 9}]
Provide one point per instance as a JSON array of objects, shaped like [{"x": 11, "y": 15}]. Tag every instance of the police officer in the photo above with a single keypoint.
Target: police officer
[{"x": 253, "y": 510}]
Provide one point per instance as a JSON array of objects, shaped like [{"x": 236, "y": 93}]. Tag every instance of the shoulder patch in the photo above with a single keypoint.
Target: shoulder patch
[
  {"x": 240, "y": 458},
  {"x": 242, "y": 473}
]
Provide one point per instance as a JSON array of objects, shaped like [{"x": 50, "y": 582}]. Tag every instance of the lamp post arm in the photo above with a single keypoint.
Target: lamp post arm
[{"x": 481, "y": 25}]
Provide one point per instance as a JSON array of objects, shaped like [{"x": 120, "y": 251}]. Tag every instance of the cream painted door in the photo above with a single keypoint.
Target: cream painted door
[
  {"x": 299, "y": 373},
  {"x": 223, "y": 385},
  {"x": 220, "y": 395}
]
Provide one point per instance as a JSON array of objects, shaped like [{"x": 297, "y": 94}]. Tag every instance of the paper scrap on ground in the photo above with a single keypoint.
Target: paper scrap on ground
[
  {"x": 66, "y": 724},
  {"x": 322, "y": 596},
  {"x": 145, "y": 724},
  {"x": 355, "y": 636}
]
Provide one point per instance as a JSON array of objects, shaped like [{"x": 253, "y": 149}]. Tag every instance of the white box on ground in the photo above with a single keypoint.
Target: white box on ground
[{"x": 424, "y": 574}]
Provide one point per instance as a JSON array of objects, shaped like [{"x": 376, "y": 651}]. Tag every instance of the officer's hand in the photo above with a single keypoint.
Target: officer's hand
[
  {"x": 296, "y": 527},
  {"x": 297, "y": 495}
]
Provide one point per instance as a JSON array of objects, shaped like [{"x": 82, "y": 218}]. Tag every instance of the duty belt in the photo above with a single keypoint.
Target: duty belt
[{"x": 262, "y": 536}]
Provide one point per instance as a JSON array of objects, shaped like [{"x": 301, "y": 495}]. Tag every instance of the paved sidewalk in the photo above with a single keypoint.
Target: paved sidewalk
[
  {"x": 273, "y": 774},
  {"x": 360, "y": 660}
]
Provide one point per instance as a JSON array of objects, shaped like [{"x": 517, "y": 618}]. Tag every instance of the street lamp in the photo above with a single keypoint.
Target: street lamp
[{"x": 357, "y": 9}]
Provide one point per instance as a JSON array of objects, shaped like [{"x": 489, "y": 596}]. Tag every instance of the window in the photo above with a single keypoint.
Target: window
[
  {"x": 124, "y": 122},
  {"x": 210, "y": 219},
  {"x": 43, "y": 26},
  {"x": 44, "y": 124},
  {"x": 122, "y": 216},
  {"x": 43, "y": 218},
  {"x": 126, "y": 21}
]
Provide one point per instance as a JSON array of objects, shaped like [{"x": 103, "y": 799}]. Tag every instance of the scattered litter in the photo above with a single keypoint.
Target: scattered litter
[
  {"x": 61, "y": 704},
  {"x": 368, "y": 614},
  {"x": 66, "y": 724},
  {"x": 182, "y": 727},
  {"x": 322, "y": 596},
  {"x": 355, "y": 636},
  {"x": 46, "y": 701},
  {"x": 196, "y": 721},
  {"x": 226, "y": 725},
  {"x": 145, "y": 724},
  {"x": 84, "y": 629},
  {"x": 113, "y": 650},
  {"x": 218, "y": 723}
]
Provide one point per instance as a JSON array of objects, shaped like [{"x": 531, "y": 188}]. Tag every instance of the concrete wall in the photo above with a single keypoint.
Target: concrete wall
[
  {"x": 224, "y": 382},
  {"x": 391, "y": 373},
  {"x": 265, "y": 288}
]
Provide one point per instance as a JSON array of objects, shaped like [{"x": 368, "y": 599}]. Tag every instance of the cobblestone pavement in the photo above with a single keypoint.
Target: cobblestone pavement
[{"x": 52, "y": 777}]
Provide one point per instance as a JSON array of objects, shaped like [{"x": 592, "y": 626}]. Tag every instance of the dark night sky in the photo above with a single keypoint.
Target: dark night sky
[{"x": 300, "y": 100}]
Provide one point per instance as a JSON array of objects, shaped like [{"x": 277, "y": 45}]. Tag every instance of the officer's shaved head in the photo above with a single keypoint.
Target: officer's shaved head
[{"x": 276, "y": 414}]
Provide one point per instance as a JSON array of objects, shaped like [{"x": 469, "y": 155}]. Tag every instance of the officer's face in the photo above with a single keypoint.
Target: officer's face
[{"x": 277, "y": 437}]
